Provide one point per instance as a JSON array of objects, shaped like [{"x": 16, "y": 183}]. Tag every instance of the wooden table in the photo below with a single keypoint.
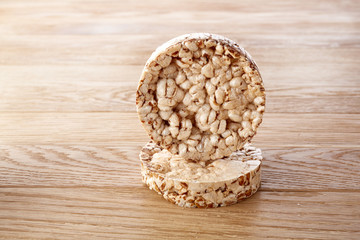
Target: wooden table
[{"x": 70, "y": 137}]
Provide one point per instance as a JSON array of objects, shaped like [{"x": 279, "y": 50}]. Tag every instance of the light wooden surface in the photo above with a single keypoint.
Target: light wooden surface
[{"x": 70, "y": 138}]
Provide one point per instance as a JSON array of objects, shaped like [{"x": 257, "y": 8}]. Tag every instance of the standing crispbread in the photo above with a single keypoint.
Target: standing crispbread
[{"x": 200, "y": 96}]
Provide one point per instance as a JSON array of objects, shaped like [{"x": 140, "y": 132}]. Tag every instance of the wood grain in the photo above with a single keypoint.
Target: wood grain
[
  {"x": 284, "y": 169},
  {"x": 112, "y": 88},
  {"x": 70, "y": 137},
  {"x": 135, "y": 49},
  {"x": 329, "y": 23},
  {"x": 118, "y": 212}
]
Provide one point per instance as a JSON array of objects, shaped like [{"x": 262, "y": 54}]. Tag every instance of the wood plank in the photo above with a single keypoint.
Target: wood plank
[
  {"x": 282, "y": 5},
  {"x": 134, "y": 49},
  {"x": 337, "y": 26},
  {"x": 320, "y": 130},
  {"x": 107, "y": 128},
  {"x": 329, "y": 6},
  {"x": 304, "y": 169},
  {"x": 285, "y": 169},
  {"x": 137, "y": 213},
  {"x": 335, "y": 33},
  {"x": 112, "y": 88}
]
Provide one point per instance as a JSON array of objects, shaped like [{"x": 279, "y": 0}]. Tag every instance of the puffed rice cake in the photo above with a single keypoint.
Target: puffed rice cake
[
  {"x": 200, "y": 96},
  {"x": 209, "y": 184}
]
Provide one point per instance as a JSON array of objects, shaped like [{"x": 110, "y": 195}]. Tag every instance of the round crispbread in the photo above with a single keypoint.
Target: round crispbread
[
  {"x": 201, "y": 96},
  {"x": 207, "y": 184}
]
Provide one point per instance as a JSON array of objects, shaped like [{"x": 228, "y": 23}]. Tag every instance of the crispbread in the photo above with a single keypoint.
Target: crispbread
[
  {"x": 201, "y": 184},
  {"x": 200, "y": 96}
]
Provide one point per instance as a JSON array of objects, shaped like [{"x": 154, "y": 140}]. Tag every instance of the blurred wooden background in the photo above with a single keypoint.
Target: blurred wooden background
[{"x": 70, "y": 137}]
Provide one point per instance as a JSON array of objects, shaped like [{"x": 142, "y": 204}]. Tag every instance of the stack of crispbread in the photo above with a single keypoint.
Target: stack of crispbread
[{"x": 201, "y": 99}]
